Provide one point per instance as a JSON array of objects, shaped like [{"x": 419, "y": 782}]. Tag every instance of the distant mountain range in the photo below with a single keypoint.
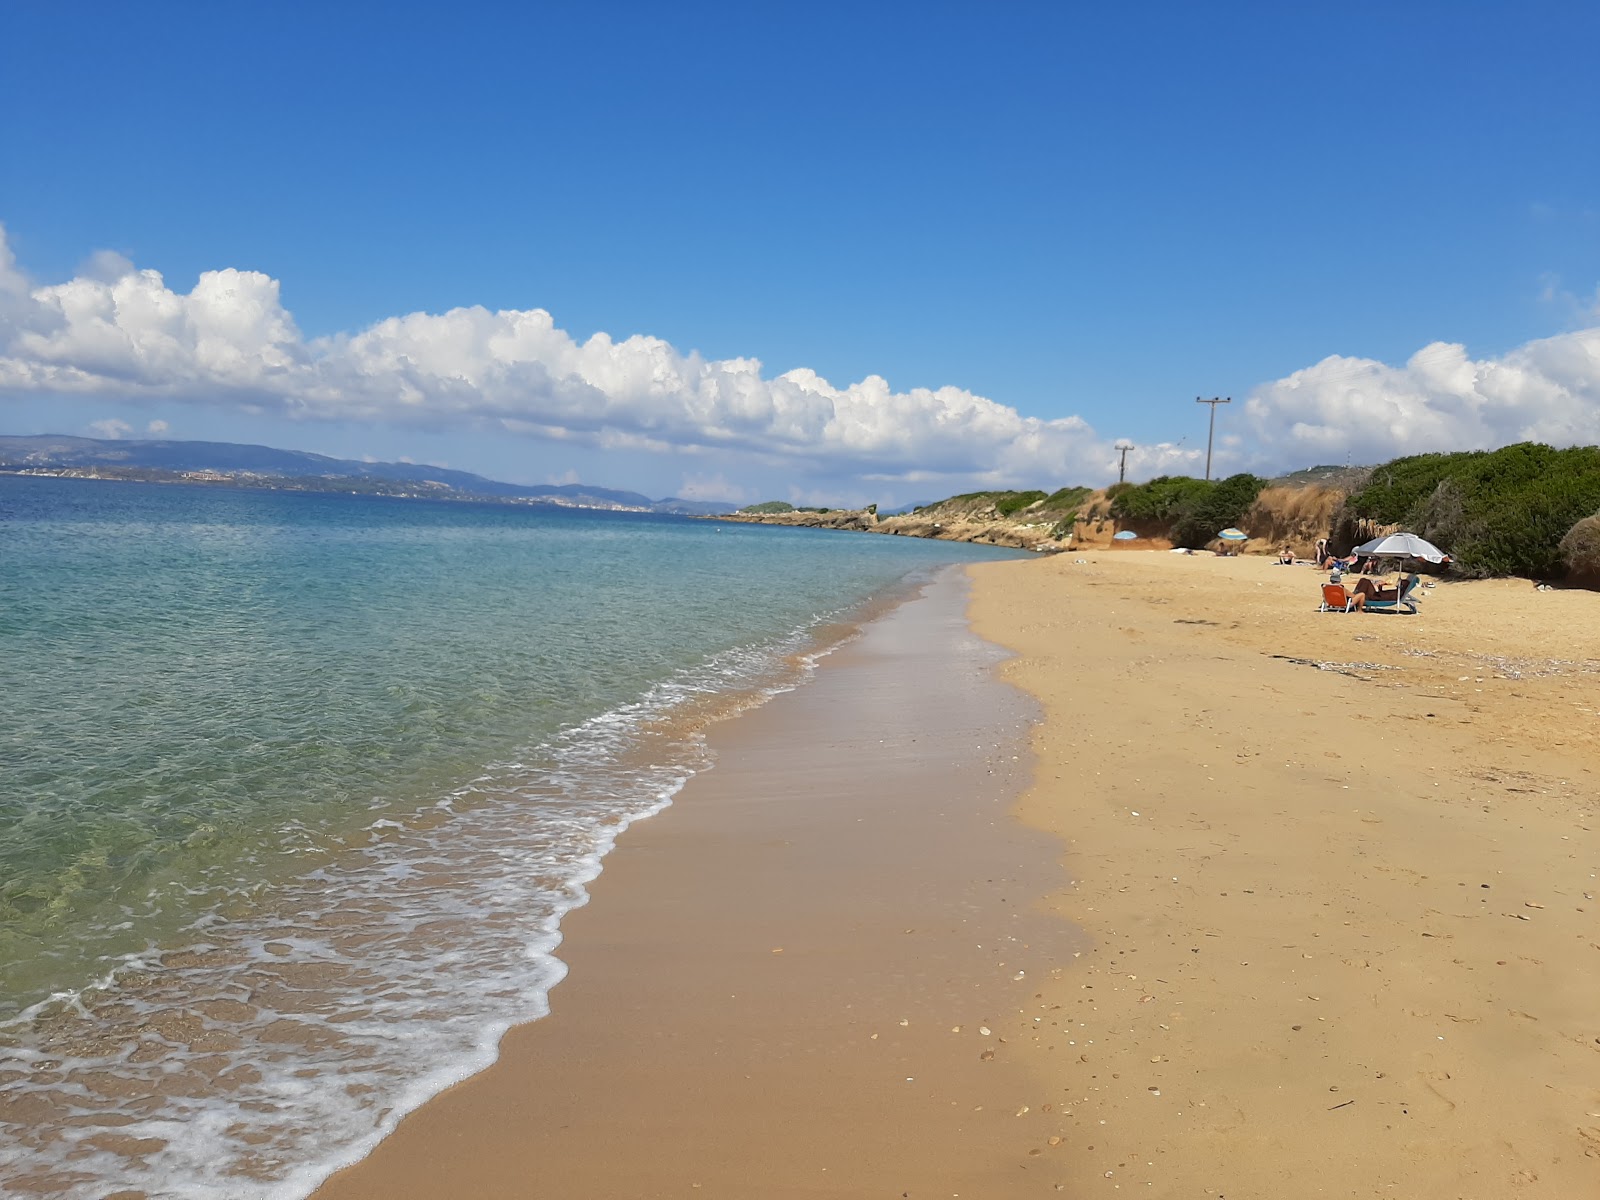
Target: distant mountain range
[{"x": 263, "y": 466}]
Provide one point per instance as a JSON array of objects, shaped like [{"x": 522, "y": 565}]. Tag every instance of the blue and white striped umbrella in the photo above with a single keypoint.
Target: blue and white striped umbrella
[{"x": 1231, "y": 534}]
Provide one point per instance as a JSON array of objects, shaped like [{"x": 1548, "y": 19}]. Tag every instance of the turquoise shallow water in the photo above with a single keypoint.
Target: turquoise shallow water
[{"x": 294, "y": 790}]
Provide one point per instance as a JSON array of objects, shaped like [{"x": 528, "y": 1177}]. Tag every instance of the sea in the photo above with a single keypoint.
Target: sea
[{"x": 295, "y": 790}]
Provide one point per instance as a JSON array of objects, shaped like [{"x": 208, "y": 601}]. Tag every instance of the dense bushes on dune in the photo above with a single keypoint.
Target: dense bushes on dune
[
  {"x": 1497, "y": 512},
  {"x": 1196, "y": 508},
  {"x": 1164, "y": 498}
]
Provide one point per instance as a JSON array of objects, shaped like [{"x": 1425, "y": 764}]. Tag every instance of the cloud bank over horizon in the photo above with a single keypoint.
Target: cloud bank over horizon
[
  {"x": 118, "y": 333},
  {"x": 1546, "y": 390}
]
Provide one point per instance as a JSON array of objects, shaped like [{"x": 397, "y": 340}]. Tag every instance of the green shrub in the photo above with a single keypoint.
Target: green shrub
[
  {"x": 1164, "y": 498},
  {"x": 768, "y": 506},
  {"x": 1007, "y": 503},
  {"x": 1067, "y": 497},
  {"x": 1500, "y": 512},
  {"x": 1208, "y": 513},
  {"x": 1004, "y": 503},
  {"x": 1196, "y": 509}
]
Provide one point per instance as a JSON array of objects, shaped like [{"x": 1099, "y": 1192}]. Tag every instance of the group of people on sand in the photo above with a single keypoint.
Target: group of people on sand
[
  {"x": 1328, "y": 561},
  {"x": 1365, "y": 589}
]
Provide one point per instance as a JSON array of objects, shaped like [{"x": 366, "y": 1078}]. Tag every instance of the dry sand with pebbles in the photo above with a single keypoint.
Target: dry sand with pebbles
[{"x": 1345, "y": 926}]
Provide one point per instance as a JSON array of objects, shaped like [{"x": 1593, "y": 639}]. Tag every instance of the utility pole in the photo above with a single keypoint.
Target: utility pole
[
  {"x": 1122, "y": 467},
  {"x": 1214, "y": 401}
]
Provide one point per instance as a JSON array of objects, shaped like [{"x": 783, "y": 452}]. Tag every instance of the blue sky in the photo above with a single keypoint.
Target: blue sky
[{"x": 1084, "y": 215}]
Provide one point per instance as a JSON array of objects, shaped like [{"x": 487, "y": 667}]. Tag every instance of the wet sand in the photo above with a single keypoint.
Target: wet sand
[
  {"x": 1346, "y": 935},
  {"x": 814, "y": 975}
]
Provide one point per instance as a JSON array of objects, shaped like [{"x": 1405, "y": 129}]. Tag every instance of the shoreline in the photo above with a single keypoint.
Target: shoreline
[
  {"x": 1336, "y": 902},
  {"x": 813, "y": 971}
]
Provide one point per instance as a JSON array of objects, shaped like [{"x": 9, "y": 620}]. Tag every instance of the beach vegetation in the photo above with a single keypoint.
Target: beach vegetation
[
  {"x": 1067, "y": 497},
  {"x": 1496, "y": 512},
  {"x": 768, "y": 506},
  {"x": 1163, "y": 498},
  {"x": 1004, "y": 503},
  {"x": 1010, "y": 503},
  {"x": 1194, "y": 509}
]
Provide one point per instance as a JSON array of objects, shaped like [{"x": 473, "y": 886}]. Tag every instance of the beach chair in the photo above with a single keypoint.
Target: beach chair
[
  {"x": 1335, "y": 598},
  {"x": 1406, "y": 600}
]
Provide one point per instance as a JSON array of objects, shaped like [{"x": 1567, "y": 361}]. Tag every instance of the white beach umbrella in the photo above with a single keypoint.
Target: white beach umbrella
[{"x": 1402, "y": 545}]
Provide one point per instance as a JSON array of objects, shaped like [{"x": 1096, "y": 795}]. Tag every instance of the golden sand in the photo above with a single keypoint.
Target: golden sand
[{"x": 1345, "y": 919}]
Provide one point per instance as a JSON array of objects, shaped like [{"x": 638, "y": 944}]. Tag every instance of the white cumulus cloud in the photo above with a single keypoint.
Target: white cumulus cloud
[
  {"x": 1441, "y": 399},
  {"x": 115, "y": 332}
]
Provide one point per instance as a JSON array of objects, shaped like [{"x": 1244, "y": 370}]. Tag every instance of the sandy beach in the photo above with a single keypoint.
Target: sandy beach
[
  {"x": 1344, "y": 918},
  {"x": 1317, "y": 918}
]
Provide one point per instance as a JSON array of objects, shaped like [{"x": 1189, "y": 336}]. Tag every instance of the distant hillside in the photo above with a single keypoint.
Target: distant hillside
[
  {"x": 1025, "y": 520},
  {"x": 1344, "y": 479},
  {"x": 261, "y": 464}
]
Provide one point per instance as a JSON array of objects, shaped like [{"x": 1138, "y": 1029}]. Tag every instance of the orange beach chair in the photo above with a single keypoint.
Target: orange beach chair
[{"x": 1335, "y": 598}]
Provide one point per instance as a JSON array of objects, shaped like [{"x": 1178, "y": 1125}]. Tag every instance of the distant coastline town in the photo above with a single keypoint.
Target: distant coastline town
[{"x": 230, "y": 464}]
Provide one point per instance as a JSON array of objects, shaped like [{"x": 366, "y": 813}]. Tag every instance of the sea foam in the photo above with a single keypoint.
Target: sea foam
[{"x": 284, "y": 1042}]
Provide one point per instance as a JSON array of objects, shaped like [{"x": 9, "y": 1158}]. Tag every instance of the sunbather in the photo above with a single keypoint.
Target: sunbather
[
  {"x": 1286, "y": 557},
  {"x": 1376, "y": 589}
]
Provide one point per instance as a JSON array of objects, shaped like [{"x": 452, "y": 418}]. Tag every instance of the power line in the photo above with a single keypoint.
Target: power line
[{"x": 1214, "y": 401}]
